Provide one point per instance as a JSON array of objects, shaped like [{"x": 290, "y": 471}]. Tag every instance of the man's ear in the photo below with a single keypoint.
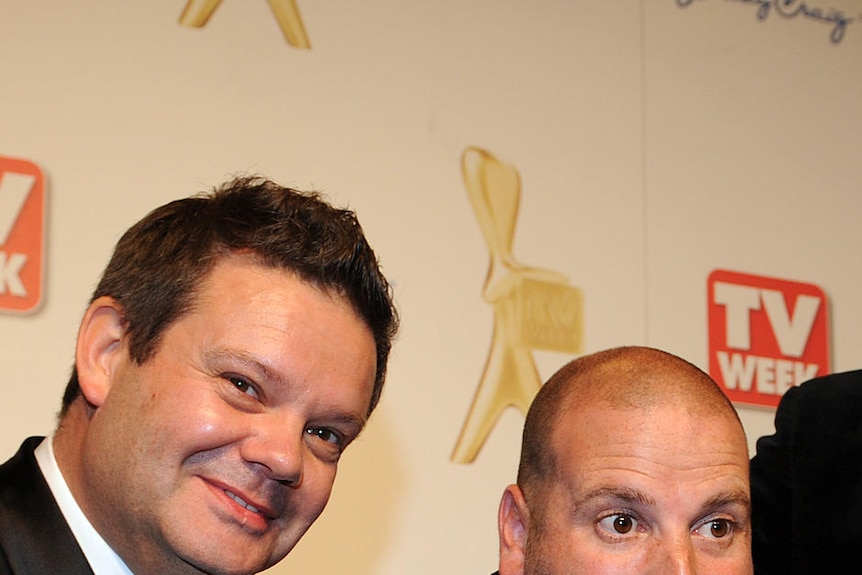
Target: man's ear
[
  {"x": 512, "y": 523},
  {"x": 99, "y": 349}
]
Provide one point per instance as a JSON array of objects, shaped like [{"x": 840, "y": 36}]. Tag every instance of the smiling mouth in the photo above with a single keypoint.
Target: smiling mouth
[{"x": 241, "y": 502}]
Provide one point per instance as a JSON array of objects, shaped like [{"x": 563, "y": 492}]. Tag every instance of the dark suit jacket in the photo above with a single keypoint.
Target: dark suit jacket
[
  {"x": 34, "y": 537},
  {"x": 806, "y": 481}
]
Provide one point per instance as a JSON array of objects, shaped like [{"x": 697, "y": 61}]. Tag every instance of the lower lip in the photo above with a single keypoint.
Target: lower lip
[{"x": 246, "y": 518}]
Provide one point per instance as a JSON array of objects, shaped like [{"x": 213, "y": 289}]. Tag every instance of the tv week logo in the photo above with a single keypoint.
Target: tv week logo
[
  {"x": 765, "y": 335},
  {"x": 22, "y": 208}
]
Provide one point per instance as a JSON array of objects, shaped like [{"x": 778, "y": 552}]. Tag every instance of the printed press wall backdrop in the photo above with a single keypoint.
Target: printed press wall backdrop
[{"x": 540, "y": 179}]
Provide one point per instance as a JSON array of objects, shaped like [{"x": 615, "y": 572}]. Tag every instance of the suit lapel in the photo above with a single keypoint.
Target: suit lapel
[{"x": 34, "y": 537}]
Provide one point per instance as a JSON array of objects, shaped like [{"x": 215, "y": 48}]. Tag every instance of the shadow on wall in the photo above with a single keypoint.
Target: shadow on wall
[{"x": 356, "y": 529}]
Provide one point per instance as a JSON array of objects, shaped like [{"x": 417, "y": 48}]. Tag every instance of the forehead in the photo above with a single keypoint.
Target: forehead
[
  {"x": 256, "y": 303},
  {"x": 236, "y": 274},
  {"x": 661, "y": 450}
]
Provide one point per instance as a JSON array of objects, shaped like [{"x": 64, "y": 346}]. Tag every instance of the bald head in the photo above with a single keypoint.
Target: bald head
[
  {"x": 620, "y": 378},
  {"x": 633, "y": 461}
]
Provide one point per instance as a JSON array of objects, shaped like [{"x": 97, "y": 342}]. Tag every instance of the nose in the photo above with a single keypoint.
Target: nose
[
  {"x": 677, "y": 557},
  {"x": 276, "y": 448}
]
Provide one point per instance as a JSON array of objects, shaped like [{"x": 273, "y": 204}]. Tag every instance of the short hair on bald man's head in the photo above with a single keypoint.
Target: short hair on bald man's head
[{"x": 630, "y": 377}]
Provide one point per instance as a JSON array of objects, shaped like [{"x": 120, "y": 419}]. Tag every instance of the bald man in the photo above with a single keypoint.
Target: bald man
[{"x": 633, "y": 461}]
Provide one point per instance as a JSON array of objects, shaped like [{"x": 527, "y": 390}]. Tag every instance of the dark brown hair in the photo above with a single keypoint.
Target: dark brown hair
[{"x": 159, "y": 263}]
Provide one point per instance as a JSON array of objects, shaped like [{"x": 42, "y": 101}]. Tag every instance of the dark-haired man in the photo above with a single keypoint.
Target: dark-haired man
[
  {"x": 633, "y": 461},
  {"x": 234, "y": 347}
]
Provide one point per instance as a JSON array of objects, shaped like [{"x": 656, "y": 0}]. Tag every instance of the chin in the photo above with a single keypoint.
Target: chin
[{"x": 236, "y": 565}]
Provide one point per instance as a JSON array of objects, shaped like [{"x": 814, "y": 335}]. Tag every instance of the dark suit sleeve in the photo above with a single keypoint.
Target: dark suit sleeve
[
  {"x": 772, "y": 491},
  {"x": 806, "y": 481}
]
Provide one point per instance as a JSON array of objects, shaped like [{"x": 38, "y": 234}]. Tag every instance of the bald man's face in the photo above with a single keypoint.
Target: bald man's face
[{"x": 659, "y": 491}]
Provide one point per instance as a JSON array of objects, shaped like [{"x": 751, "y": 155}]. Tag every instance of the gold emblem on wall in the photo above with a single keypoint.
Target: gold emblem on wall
[
  {"x": 197, "y": 13},
  {"x": 534, "y": 309}
]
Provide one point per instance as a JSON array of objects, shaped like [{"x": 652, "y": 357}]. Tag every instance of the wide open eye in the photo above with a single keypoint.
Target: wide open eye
[
  {"x": 619, "y": 524},
  {"x": 718, "y": 528}
]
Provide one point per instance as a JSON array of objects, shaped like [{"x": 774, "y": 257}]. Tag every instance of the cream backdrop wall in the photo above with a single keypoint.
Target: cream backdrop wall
[{"x": 656, "y": 141}]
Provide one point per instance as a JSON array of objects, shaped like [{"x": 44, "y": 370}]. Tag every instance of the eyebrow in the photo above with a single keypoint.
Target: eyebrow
[
  {"x": 627, "y": 495},
  {"x": 246, "y": 359},
  {"x": 621, "y": 494},
  {"x": 734, "y": 497}
]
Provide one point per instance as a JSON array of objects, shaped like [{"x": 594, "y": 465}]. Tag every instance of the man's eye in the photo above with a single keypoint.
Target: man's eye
[
  {"x": 619, "y": 524},
  {"x": 716, "y": 528},
  {"x": 242, "y": 384},
  {"x": 327, "y": 435}
]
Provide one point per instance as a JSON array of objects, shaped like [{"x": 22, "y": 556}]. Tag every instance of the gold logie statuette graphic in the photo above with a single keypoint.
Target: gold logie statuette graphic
[
  {"x": 198, "y": 12},
  {"x": 534, "y": 309}
]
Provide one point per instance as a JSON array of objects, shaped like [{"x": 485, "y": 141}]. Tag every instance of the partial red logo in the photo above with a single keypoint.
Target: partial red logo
[
  {"x": 765, "y": 335},
  {"x": 22, "y": 221}
]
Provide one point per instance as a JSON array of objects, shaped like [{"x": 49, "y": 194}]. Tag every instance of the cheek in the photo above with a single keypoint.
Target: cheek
[
  {"x": 198, "y": 426},
  {"x": 561, "y": 551},
  {"x": 182, "y": 419},
  {"x": 318, "y": 481}
]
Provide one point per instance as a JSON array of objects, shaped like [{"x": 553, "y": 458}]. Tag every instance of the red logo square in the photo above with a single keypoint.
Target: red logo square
[
  {"x": 22, "y": 217},
  {"x": 765, "y": 335}
]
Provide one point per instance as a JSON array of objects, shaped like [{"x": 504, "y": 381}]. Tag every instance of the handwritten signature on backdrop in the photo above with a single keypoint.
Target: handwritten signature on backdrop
[{"x": 792, "y": 9}]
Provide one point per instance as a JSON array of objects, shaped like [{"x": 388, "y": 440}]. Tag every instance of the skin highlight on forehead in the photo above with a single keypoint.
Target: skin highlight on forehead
[{"x": 640, "y": 378}]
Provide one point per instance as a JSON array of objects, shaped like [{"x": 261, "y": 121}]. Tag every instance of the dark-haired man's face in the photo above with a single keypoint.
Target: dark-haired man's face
[
  {"x": 658, "y": 491},
  {"x": 218, "y": 453}
]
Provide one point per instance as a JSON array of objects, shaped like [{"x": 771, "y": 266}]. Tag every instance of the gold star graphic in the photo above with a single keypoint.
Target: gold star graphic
[{"x": 197, "y": 13}]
